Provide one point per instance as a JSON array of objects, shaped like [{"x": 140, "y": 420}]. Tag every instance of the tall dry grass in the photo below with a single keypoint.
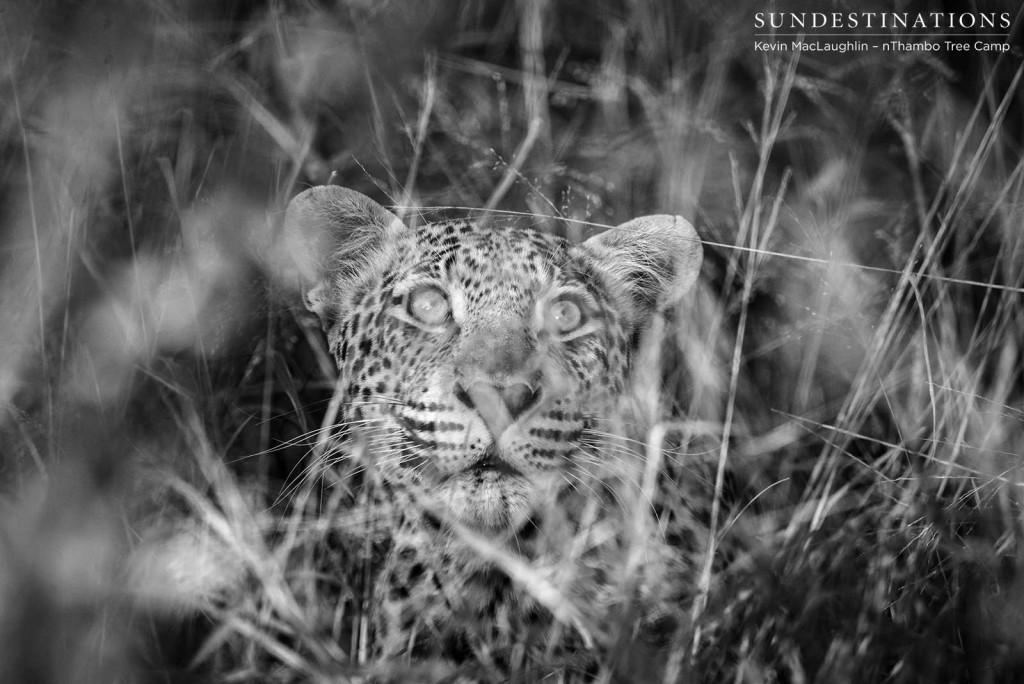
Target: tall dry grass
[{"x": 834, "y": 418}]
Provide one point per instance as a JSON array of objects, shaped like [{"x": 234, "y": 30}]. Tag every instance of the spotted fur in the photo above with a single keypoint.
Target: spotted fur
[{"x": 474, "y": 358}]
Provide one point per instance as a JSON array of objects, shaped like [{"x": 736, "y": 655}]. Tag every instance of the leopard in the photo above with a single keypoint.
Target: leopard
[{"x": 478, "y": 361}]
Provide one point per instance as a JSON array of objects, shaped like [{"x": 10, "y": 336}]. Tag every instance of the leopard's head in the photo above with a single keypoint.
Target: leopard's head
[{"x": 474, "y": 358}]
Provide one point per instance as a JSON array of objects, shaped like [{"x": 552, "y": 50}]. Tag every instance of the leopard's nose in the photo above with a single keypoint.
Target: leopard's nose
[
  {"x": 518, "y": 397},
  {"x": 499, "y": 407}
]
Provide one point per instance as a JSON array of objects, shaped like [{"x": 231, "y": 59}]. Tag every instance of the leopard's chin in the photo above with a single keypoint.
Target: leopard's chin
[{"x": 487, "y": 498}]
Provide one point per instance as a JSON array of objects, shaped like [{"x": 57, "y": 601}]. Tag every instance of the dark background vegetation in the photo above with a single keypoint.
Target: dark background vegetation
[{"x": 848, "y": 374}]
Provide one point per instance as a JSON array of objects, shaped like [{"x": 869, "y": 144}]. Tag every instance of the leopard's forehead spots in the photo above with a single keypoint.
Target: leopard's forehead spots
[{"x": 507, "y": 258}]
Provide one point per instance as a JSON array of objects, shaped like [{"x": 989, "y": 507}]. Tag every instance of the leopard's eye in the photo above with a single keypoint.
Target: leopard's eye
[
  {"x": 565, "y": 315},
  {"x": 429, "y": 305}
]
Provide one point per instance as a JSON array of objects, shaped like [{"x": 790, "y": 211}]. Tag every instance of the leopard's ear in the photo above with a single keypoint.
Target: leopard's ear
[
  {"x": 653, "y": 259},
  {"x": 336, "y": 235}
]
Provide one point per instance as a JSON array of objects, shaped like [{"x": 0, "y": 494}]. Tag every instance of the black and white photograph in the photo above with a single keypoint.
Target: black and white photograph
[{"x": 525, "y": 341}]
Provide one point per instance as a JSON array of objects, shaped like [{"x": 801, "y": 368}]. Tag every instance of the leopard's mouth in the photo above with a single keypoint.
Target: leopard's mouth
[
  {"x": 475, "y": 487},
  {"x": 491, "y": 462}
]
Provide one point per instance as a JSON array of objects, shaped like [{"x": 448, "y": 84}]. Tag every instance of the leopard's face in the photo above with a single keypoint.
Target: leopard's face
[
  {"x": 474, "y": 359},
  {"x": 473, "y": 363}
]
